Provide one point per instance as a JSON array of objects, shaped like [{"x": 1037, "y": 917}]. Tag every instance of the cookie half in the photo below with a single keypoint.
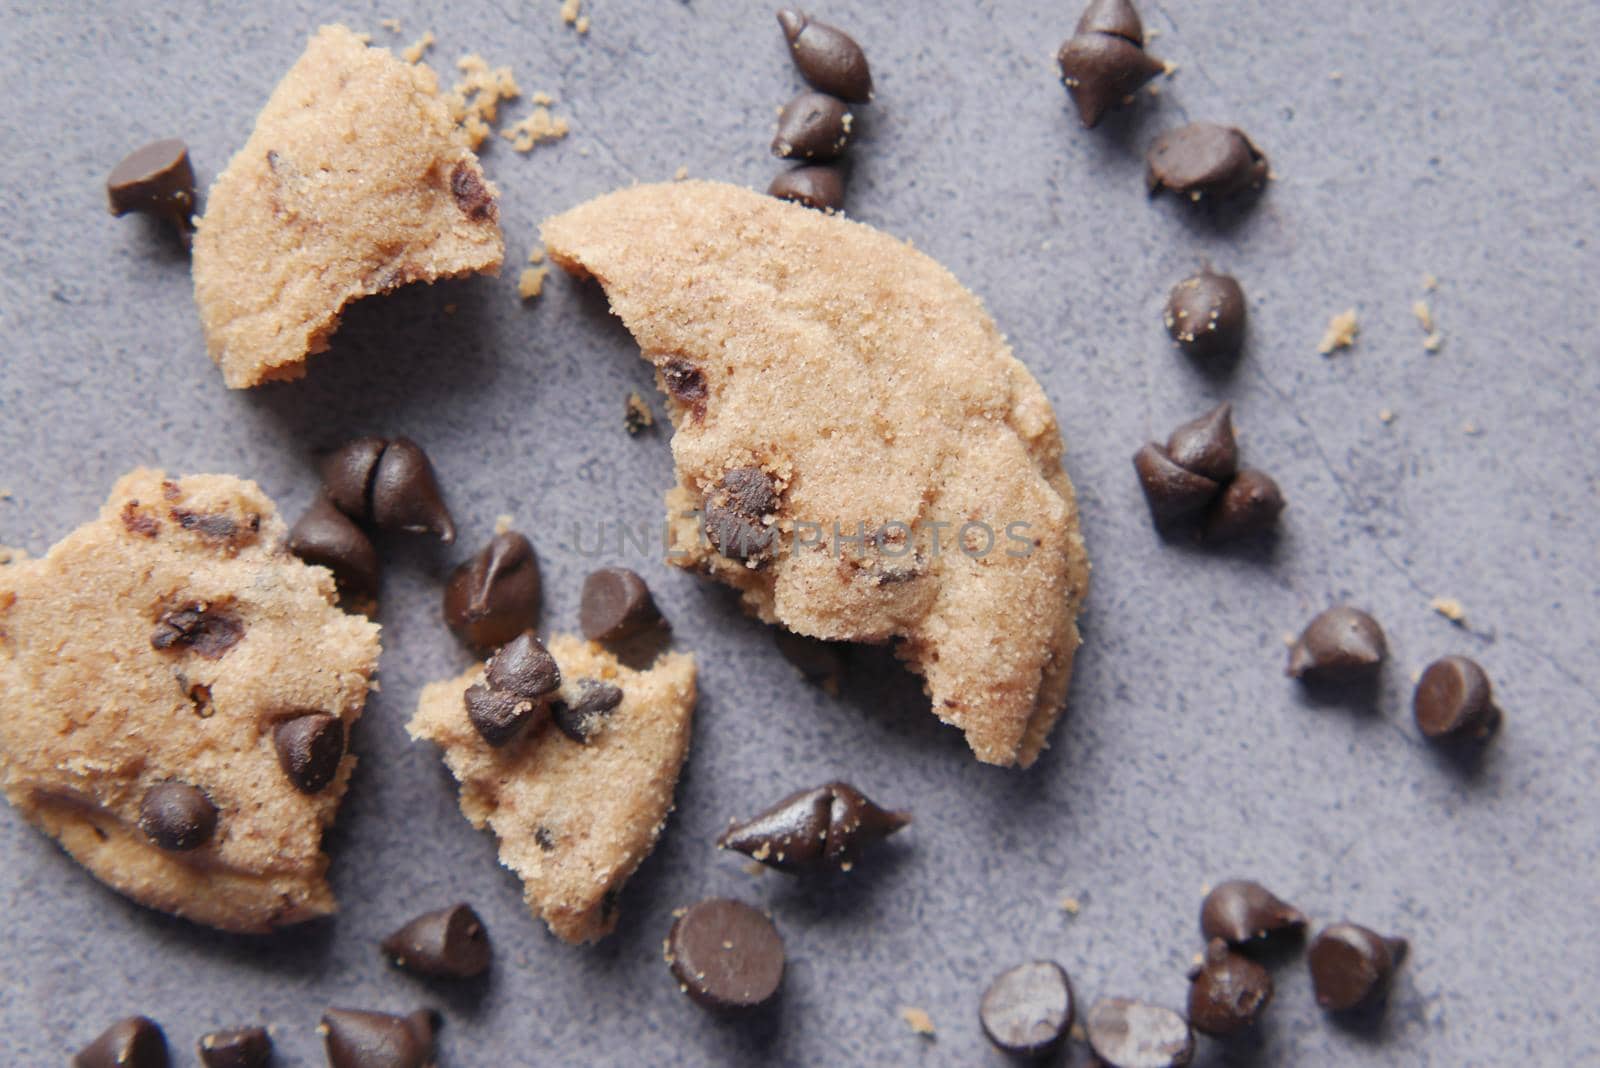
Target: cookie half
[
  {"x": 176, "y": 690},
  {"x": 858, "y": 452},
  {"x": 355, "y": 181},
  {"x": 574, "y": 819}
]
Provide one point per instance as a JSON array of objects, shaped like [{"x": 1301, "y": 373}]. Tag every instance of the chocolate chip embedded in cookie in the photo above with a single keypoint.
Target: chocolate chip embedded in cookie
[
  {"x": 354, "y": 182},
  {"x": 922, "y": 496},
  {"x": 188, "y": 747},
  {"x": 575, "y": 815}
]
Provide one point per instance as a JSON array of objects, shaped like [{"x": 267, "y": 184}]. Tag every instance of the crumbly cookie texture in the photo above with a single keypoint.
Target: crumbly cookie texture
[
  {"x": 107, "y": 690},
  {"x": 873, "y": 392},
  {"x": 574, "y": 820},
  {"x": 355, "y": 181}
]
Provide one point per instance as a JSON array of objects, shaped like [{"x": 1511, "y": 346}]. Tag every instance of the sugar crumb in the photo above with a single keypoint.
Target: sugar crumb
[
  {"x": 531, "y": 282},
  {"x": 1451, "y": 609},
  {"x": 1341, "y": 332},
  {"x": 1386, "y": 415},
  {"x": 918, "y": 1020},
  {"x": 413, "y": 52},
  {"x": 1071, "y": 906}
]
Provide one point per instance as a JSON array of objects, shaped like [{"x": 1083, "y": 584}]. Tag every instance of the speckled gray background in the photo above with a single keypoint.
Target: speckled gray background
[{"x": 1460, "y": 140}]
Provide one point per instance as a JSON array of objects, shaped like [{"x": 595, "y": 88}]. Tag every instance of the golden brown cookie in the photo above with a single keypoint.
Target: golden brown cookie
[
  {"x": 574, "y": 819},
  {"x": 872, "y": 462},
  {"x": 355, "y": 181},
  {"x": 175, "y": 693}
]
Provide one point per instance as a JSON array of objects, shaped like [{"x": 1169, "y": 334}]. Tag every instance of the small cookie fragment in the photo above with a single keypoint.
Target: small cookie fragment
[
  {"x": 1352, "y": 966},
  {"x": 156, "y": 180},
  {"x": 244, "y": 1047},
  {"x": 1125, "y": 1033},
  {"x": 136, "y": 1042},
  {"x": 356, "y": 1038},
  {"x": 726, "y": 955},
  {"x": 1227, "y": 991},
  {"x": 1340, "y": 644},
  {"x": 817, "y": 829},
  {"x": 1204, "y": 161},
  {"x": 1244, "y": 913},
  {"x": 1028, "y": 1010},
  {"x": 450, "y": 942}
]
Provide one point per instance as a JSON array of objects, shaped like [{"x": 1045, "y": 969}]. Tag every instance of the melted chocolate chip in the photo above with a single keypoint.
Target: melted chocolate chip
[
  {"x": 1227, "y": 991},
  {"x": 310, "y": 747},
  {"x": 1173, "y": 492},
  {"x": 1134, "y": 1034},
  {"x": 585, "y": 716},
  {"x": 824, "y": 827},
  {"x": 136, "y": 1042},
  {"x": 1340, "y": 644},
  {"x": 177, "y": 817},
  {"x": 358, "y": 1039},
  {"x": 1203, "y": 160},
  {"x": 615, "y": 604},
  {"x": 494, "y": 596},
  {"x": 1116, "y": 17},
  {"x": 1248, "y": 506},
  {"x": 1027, "y": 1011},
  {"x": 215, "y": 525},
  {"x": 1101, "y": 70},
  {"x": 497, "y": 716},
  {"x": 472, "y": 196},
  {"x": 326, "y": 537},
  {"x": 819, "y": 186},
  {"x": 347, "y": 474},
  {"x": 450, "y": 942},
  {"x": 137, "y": 522},
  {"x": 405, "y": 493},
  {"x": 826, "y": 56},
  {"x": 734, "y": 509},
  {"x": 1454, "y": 701},
  {"x": 205, "y": 631},
  {"x": 1241, "y": 912},
  {"x": 523, "y": 667},
  {"x": 244, "y": 1047},
  {"x": 158, "y": 180},
  {"x": 1351, "y": 966},
  {"x": 812, "y": 126},
  {"x": 1206, "y": 446},
  {"x": 684, "y": 381},
  {"x": 725, "y": 954},
  {"x": 1206, "y": 315}
]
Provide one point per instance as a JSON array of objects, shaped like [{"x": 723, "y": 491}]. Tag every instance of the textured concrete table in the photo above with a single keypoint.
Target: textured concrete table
[{"x": 1453, "y": 138}]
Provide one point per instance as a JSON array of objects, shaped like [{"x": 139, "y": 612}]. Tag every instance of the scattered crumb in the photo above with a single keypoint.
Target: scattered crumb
[
  {"x": 1151, "y": 34},
  {"x": 752, "y": 868},
  {"x": 636, "y": 415},
  {"x": 392, "y": 25},
  {"x": 531, "y": 282},
  {"x": 9, "y": 555},
  {"x": 1424, "y": 315},
  {"x": 582, "y": 25},
  {"x": 364, "y": 38},
  {"x": 412, "y": 53},
  {"x": 536, "y": 254},
  {"x": 5, "y": 495},
  {"x": 502, "y": 523},
  {"x": 1341, "y": 332},
  {"x": 474, "y": 102},
  {"x": 1336, "y": 75},
  {"x": 1168, "y": 67},
  {"x": 1071, "y": 906},
  {"x": 539, "y": 126},
  {"x": 570, "y": 10},
  {"x": 1197, "y": 960},
  {"x": 1450, "y": 608},
  {"x": 1471, "y": 429},
  {"x": 1433, "y": 342},
  {"x": 1385, "y": 415},
  {"x": 918, "y": 1020},
  {"x": 1430, "y": 283},
  {"x": 680, "y": 174},
  {"x": 542, "y": 98},
  {"x": 1289, "y": 640}
]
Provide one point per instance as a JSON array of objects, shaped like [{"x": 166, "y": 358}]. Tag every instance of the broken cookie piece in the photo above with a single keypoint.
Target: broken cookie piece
[
  {"x": 575, "y": 815},
  {"x": 354, "y": 182},
  {"x": 857, "y": 483},
  {"x": 176, "y": 691}
]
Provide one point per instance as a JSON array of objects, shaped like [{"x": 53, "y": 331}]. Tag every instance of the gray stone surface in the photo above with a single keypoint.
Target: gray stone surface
[{"x": 1460, "y": 140}]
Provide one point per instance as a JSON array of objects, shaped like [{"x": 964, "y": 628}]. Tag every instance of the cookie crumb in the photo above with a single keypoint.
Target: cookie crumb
[
  {"x": 582, "y": 25},
  {"x": 474, "y": 101},
  {"x": 1433, "y": 342},
  {"x": 392, "y": 25},
  {"x": 680, "y": 174},
  {"x": 1336, "y": 75},
  {"x": 636, "y": 414},
  {"x": 570, "y": 10},
  {"x": 1385, "y": 415},
  {"x": 1168, "y": 67},
  {"x": 1430, "y": 283},
  {"x": 531, "y": 282},
  {"x": 1071, "y": 906},
  {"x": 1451, "y": 609},
  {"x": 1341, "y": 332},
  {"x": 918, "y": 1020},
  {"x": 1424, "y": 315},
  {"x": 536, "y": 254},
  {"x": 536, "y": 128},
  {"x": 1471, "y": 429},
  {"x": 502, "y": 523},
  {"x": 413, "y": 52}
]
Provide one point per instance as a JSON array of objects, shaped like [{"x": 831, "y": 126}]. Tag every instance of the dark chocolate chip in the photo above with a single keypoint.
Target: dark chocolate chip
[
  {"x": 827, "y": 57},
  {"x": 1135, "y": 1034},
  {"x": 207, "y": 632},
  {"x": 1172, "y": 492},
  {"x": 1454, "y": 701},
  {"x": 585, "y": 715},
  {"x": 524, "y": 667},
  {"x": 310, "y": 747},
  {"x": 821, "y": 663},
  {"x": 544, "y": 839},
  {"x": 156, "y": 179},
  {"x": 347, "y": 474},
  {"x": 1206, "y": 315},
  {"x": 244, "y": 1047},
  {"x": 824, "y": 827},
  {"x": 813, "y": 126},
  {"x": 733, "y": 511},
  {"x": 685, "y": 382},
  {"x": 494, "y": 596},
  {"x": 1027, "y": 1010},
  {"x": 615, "y": 604},
  {"x": 405, "y": 493},
  {"x": 1202, "y": 160},
  {"x": 136, "y": 1042},
  {"x": 725, "y": 954},
  {"x": 818, "y": 185},
  {"x": 326, "y": 537},
  {"x": 215, "y": 525},
  {"x": 1341, "y": 643},
  {"x": 177, "y": 817},
  {"x": 450, "y": 942},
  {"x": 138, "y": 522},
  {"x": 360, "y": 1039},
  {"x": 749, "y": 490},
  {"x": 1241, "y": 912},
  {"x": 1227, "y": 991},
  {"x": 472, "y": 196},
  {"x": 1247, "y": 506},
  {"x": 1207, "y": 446},
  {"x": 1116, "y": 17},
  {"x": 1351, "y": 966},
  {"x": 1101, "y": 70},
  {"x": 498, "y": 716}
]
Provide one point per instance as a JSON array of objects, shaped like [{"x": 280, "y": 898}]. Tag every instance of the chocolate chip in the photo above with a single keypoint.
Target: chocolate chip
[
  {"x": 812, "y": 126},
  {"x": 1206, "y": 315},
  {"x": 725, "y": 954},
  {"x": 1248, "y": 506},
  {"x": 584, "y": 717},
  {"x": 1172, "y": 492},
  {"x": 1351, "y": 966},
  {"x": 734, "y": 509},
  {"x": 1134, "y": 1034},
  {"x": 494, "y": 596},
  {"x": 749, "y": 490},
  {"x": 544, "y": 839},
  {"x": 1202, "y": 160},
  {"x": 405, "y": 493},
  {"x": 824, "y": 827},
  {"x": 158, "y": 180},
  {"x": 1454, "y": 702},
  {"x": 1116, "y": 17},
  {"x": 136, "y": 1042},
  {"x": 684, "y": 381},
  {"x": 347, "y": 474},
  {"x": 1227, "y": 991},
  {"x": 498, "y": 716},
  {"x": 821, "y": 663},
  {"x": 1241, "y": 912},
  {"x": 615, "y": 604},
  {"x": 818, "y": 185},
  {"x": 1341, "y": 643},
  {"x": 245, "y": 1047},
  {"x": 359, "y": 1039},
  {"x": 472, "y": 196},
  {"x": 205, "y": 631},
  {"x": 138, "y": 522},
  {"x": 310, "y": 747},
  {"x": 524, "y": 667},
  {"x": 1206, "y": 446},
  {"x": 177, "y": 817},
  {"x": 450, "y": 942},
  {"x": 826, "y": 56},
  {"x": 1027, "y": 1010},
  {"x": 1101, "y": 70},
  {"x": 214, "y": 525},
  {"x": 325, "y": 537}
]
